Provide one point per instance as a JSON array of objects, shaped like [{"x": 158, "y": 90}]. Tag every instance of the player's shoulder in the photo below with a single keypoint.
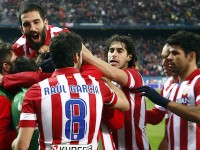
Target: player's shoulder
[
  {"x": 19, "y": 43},
  {"x": 132, "y": 70},
  {"x": 21, "y": 40},
  {"x": 133, "y": 73},
  {"x": 54, "y": 29}
]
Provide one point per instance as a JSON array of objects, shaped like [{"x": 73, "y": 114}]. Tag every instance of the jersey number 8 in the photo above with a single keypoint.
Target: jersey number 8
[{"x": 75, "y": 111}]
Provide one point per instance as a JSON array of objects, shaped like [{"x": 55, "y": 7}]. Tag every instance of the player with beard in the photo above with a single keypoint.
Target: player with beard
[
  {"x": 75, "y": 117},
  {"x": 36, "y": 34},
  {"x": 182, "y": 102}
]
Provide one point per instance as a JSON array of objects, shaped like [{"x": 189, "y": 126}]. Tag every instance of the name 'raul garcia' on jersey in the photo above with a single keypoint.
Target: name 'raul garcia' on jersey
[{"x": 59, "y": 88}]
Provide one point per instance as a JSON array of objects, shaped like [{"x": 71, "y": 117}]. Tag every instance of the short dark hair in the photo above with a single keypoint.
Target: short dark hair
[
  {"x": 129, "y": 43},
  {"x": 5, "y": 53},
  {"x": 188, "y": 41},
  {"x": 63, "y": 48},
  {"x": 24, "y": 63},
  {"x": 28, "y": 7}
]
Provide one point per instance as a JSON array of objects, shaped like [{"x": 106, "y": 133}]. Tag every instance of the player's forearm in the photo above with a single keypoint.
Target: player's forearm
[
  {"x": 122, "y": 102},
  {"x": 107, "y": 70},
  {"x": 190, "y": 113}
]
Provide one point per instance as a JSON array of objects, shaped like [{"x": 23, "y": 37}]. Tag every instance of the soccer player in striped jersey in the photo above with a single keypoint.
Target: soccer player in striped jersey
[
  {"x": 182, "y": 103},
  {"x": 156, "y": 115},
  {"x": 36, "y": 35},
  {"x": 67, "y": 106},
  {"x": 120, "y": 69}
]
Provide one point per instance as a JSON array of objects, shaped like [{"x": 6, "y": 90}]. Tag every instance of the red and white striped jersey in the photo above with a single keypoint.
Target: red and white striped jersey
[
  {"x": 133, "y": 135},
  {"x": 156, "y": 115},
  {"x": 67, "y": 107},
  {"x": 183, "y": 134},
  {"x": 22, "y": 46}
]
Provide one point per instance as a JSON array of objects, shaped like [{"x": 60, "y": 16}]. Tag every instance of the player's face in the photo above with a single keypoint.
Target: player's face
[
  {"x": 118, "y": 56},
  {"x": 34, "y": 28},
  {"x": 165, "y": 61},
  {"x": 178, "y": 60},
  {"x": 8, "y": 65}
]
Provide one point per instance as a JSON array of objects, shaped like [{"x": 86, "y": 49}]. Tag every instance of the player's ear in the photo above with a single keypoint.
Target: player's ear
[
  {"x": 76, "y": 58},
  {"x": 6, "y": 67},
  {"x": 129, "y": 57},
  {"x": 46, "y": 23},
  {"x": 21, "y": 29},
  {"x": 192, "y": 56}
]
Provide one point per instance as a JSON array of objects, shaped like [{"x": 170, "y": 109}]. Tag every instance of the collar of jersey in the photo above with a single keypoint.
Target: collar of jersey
[{"x": 67, "y": 71}]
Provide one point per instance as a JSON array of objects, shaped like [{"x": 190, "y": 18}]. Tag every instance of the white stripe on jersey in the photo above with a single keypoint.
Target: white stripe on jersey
[
  {"x": 46, "y": 103},
  {"x": 106, "y": 137},
  {"x": 84, "y": 95},
  {"x": 28, "y": 116},
  {"x": 99, "y": 107},
  {"x": 55, "y": 29},
  {"x": 176, "y": 129},
  {"x": 198, "y": 98},
  {"x": 132, "y": 100},
  {"x": 191, "y": 135},
  {"x": 121, "y": 138},
  {"x": 185, "y": 95},
  {"x": 64, "y": 96},
  {"x": 132, "y": 80}
]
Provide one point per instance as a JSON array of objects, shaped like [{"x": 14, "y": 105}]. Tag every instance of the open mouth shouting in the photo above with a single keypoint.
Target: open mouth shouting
[
  {"x": 35, "y": 37},
  {"x": 113, "y": 62}
]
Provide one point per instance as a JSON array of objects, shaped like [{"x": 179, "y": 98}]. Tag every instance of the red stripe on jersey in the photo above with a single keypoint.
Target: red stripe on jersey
[
  {"x": 172, "y": 122},
  {"x": 197, "y": 137},
  {"x": 128, "y": 127},
  {"x": 56, "y": 114},
  {"x": 39, "y": 118},
  {"x": 171, "y": 134},
  {"x": 93, "y": 110},
  {"x": 183, "y": 134},
  {"x": 137, "y": 118}
]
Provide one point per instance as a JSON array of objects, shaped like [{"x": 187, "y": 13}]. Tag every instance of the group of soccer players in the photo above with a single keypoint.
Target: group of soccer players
[{"x": 73, "y": 107}]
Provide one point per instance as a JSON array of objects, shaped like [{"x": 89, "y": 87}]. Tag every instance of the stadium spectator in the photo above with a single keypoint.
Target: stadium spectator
[
  {"x": 122, "y": 56},
  {"x": 183, "y": 97},
  {"x": 118, "y": 12},
  {"x": 67, "y": 59}
]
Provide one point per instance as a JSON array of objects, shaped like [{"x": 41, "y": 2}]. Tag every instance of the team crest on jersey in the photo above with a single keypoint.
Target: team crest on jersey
[{"x": 186, "y": 90}]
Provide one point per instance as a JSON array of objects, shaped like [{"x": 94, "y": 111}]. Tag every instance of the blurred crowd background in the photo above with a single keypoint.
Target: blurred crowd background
[{"x": 149, "y": 22}]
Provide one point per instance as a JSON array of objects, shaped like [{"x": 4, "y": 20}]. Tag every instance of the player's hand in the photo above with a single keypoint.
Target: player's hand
[
  {"x": 153, "y": 95},
  {"x": 43, "y": 49}
]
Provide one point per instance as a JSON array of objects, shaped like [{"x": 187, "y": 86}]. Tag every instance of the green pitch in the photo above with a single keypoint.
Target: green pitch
[{"x": 154, "y": 132}]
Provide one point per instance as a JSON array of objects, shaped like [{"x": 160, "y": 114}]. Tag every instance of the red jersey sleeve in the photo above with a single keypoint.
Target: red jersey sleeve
[
  {"x": 154, "y": 116},
  {"x": 113, "y": 118},
  {"x": 7, "y": 135},
  {"x": 23, "y": 79},
  {"x": 30, "y": 103},
  {"x": 109, "y": 96},
  {"x": 88, "y": 69}
]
